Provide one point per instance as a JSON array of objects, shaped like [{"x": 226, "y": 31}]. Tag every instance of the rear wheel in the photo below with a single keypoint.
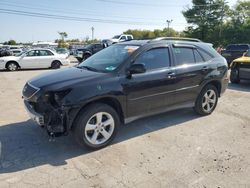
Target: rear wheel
[
  {"x": 234, "y": 76},
  {"x": 12, "y": 66},
  {"x": 56, "y": 65},
  {"x": 96, "y": 126},
  {"x": 207, "y": 100}
]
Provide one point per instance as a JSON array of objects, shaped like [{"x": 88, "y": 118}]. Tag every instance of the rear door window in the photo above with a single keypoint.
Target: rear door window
[
  {"x": 198, "y": 57},
  {"x": 205, "y": 55},
  {"x": 184, "y": 56}
]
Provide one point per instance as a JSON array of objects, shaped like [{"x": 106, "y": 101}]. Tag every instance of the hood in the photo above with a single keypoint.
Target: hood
[
  {"x": 63, "y": 77},
  {"x": 243, "y": 59},
  {"x": 114, "y": 40},
  {"x": 8, "y": 58}
]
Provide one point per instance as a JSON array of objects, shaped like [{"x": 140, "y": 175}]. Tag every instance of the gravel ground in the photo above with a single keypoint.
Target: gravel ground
[{"x": 174, "y": 149}]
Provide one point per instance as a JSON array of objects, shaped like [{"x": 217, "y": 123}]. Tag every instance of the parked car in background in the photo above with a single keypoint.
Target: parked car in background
[
  {"x": 240, "y": 68},
  {"x": 15, "y": 52},
  {"x": 234, "y": 51},
  {"x": 35, "y": 58},
  {"x": 123, "y": 82},
  {"x": 64, "y": 51},
  {"x": 89, "y": 50},
  {"x": 121, "y": 38},
  {"x": 5, "y": 52}
]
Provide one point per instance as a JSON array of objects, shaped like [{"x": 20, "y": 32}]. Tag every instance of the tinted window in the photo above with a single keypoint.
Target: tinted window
[
  {"x": 32, "y": 53},
  {"x": 244, "y": 47},
  {"x": 231, "y": 47},
  {"x": 155, "y": 58},
  {"x": 205, "y": 55},
  {"x": 45, "y": 53},
  {"x": 98, "y": 46},
  {"x": 123, "y": 38},
  {"x": 184, "y": 56},
  {"x": 129, "y": 38},
  {"x": 198, "y": 57}
]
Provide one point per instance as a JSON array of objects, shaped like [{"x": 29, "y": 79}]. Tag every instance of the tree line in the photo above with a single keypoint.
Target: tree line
[{"x": 211, "y": 21}]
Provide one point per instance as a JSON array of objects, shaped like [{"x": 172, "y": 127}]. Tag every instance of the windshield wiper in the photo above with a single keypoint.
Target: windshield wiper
[{"x": 89, "y": 68}]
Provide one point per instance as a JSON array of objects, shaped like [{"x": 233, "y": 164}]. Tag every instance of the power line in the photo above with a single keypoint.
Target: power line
[
  {"x": 75, "y": 12},
  {"x": 150, "y": 4},
  {"x": 71, "y": 18}
]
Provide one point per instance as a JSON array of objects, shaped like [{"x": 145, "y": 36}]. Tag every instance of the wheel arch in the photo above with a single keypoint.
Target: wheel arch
[
  {"x": 12, "y": 61},
  {"x": 215, "y": 83},
  {"x": 111, "y": 101}
]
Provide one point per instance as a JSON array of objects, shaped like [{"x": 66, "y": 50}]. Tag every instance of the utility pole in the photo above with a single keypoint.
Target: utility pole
[
  {"x": 169, "y": 22},
  {"x": 92, "y": 29},
  {"x": 222, "y": 16}
]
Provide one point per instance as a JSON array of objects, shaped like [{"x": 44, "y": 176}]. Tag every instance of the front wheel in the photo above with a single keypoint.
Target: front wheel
[
  {"x": 96, "y": 126},
  {"x": 207, "y": 100},
  {"x": 12, "y": 66}
]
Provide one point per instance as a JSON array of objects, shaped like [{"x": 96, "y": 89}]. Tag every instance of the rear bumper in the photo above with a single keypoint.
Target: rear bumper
[{"x": 38, "y": 118}]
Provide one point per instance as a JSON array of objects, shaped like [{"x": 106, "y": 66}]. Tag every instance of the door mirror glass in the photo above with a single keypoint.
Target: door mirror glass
[{"x": 137, "y": 69}]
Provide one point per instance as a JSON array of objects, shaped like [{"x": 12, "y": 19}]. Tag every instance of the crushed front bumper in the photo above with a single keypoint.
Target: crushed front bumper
[{"x": 38, "y": 118}]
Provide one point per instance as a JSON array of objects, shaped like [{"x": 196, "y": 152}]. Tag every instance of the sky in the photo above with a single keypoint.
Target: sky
[{"x": 76, "y": 17}]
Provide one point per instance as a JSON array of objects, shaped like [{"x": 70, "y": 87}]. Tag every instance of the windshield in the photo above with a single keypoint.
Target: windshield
[
  {"x": 116, "y": 37},
  {"x": 247, "y": 53},
  {"x": 108, "y": 59},
  {"x": 20, "y": 54},
  {"x": 89, "y": 46}
]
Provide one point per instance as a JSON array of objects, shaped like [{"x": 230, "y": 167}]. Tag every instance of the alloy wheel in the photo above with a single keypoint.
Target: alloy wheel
[
  {"x": 209, "y": 100},
  {"x": 99, "y": 128},
  {"x": 12, "y": 67}
]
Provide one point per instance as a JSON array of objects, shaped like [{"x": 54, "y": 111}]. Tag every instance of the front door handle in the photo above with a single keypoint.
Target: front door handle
[
  {"x": 205, "y": 69},
  {"x": 171, "y": 75}
]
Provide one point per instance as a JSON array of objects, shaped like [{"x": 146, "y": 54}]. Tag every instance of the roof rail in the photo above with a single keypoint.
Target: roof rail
[{"x": 177, "y": 38}]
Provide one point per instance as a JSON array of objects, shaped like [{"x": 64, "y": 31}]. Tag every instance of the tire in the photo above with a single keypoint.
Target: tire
[
  {"x": 234, "y": 76},
  {"x": 12, "y": 66},
  {"x": 85, "y": 56},
  {"x": 90, "y": 132},
  {"x": 207, "y": 100},
  {"x": 56, "y": 65},
  {"x": 79, "y": 59}
]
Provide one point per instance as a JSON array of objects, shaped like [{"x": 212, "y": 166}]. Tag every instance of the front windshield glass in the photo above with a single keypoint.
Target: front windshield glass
[
  {"x": 88, "y": 46},
  {"x": 116, "y": 37},
  {"x": 247, "y": 53},
  {"x": 20, "y": 54},
  {"x": 108, "y": 59}
]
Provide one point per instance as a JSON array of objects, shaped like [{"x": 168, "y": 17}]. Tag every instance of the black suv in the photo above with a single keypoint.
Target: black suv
[
  {"x": 91, "y": 49},
  {"x": 234, "y": 51},
  {"x": 123, "y": 82}
]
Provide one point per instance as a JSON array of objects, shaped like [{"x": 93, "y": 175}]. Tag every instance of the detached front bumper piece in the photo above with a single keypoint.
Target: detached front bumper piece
[{"x": 38, "y": 118}]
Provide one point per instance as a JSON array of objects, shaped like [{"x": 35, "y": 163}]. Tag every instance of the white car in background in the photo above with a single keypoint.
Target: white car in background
[
  {"x": 35, "y": 58},
  {"x": 16, "y": 52},
  {"x": 121, "y": 38}
]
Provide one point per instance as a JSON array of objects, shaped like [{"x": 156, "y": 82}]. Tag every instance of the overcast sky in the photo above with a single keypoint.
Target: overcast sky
[{"x": 120, "y": 15}]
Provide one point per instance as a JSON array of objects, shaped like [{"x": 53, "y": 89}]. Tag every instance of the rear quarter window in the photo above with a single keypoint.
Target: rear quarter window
[{"x": 205, "y": 55}]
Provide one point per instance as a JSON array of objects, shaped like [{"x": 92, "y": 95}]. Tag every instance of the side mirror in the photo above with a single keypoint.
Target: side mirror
[{"x": 136, "y": 69}]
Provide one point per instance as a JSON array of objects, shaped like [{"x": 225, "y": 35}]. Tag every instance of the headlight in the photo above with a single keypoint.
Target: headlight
[{"x": 59, "y": 95}]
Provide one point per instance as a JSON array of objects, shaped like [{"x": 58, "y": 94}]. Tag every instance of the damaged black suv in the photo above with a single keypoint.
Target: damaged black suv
[{"x": 123, "y": 82}]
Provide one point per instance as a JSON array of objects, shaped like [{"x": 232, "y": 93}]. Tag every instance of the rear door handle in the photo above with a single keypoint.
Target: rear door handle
[{"x": 171, "y": 75}]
